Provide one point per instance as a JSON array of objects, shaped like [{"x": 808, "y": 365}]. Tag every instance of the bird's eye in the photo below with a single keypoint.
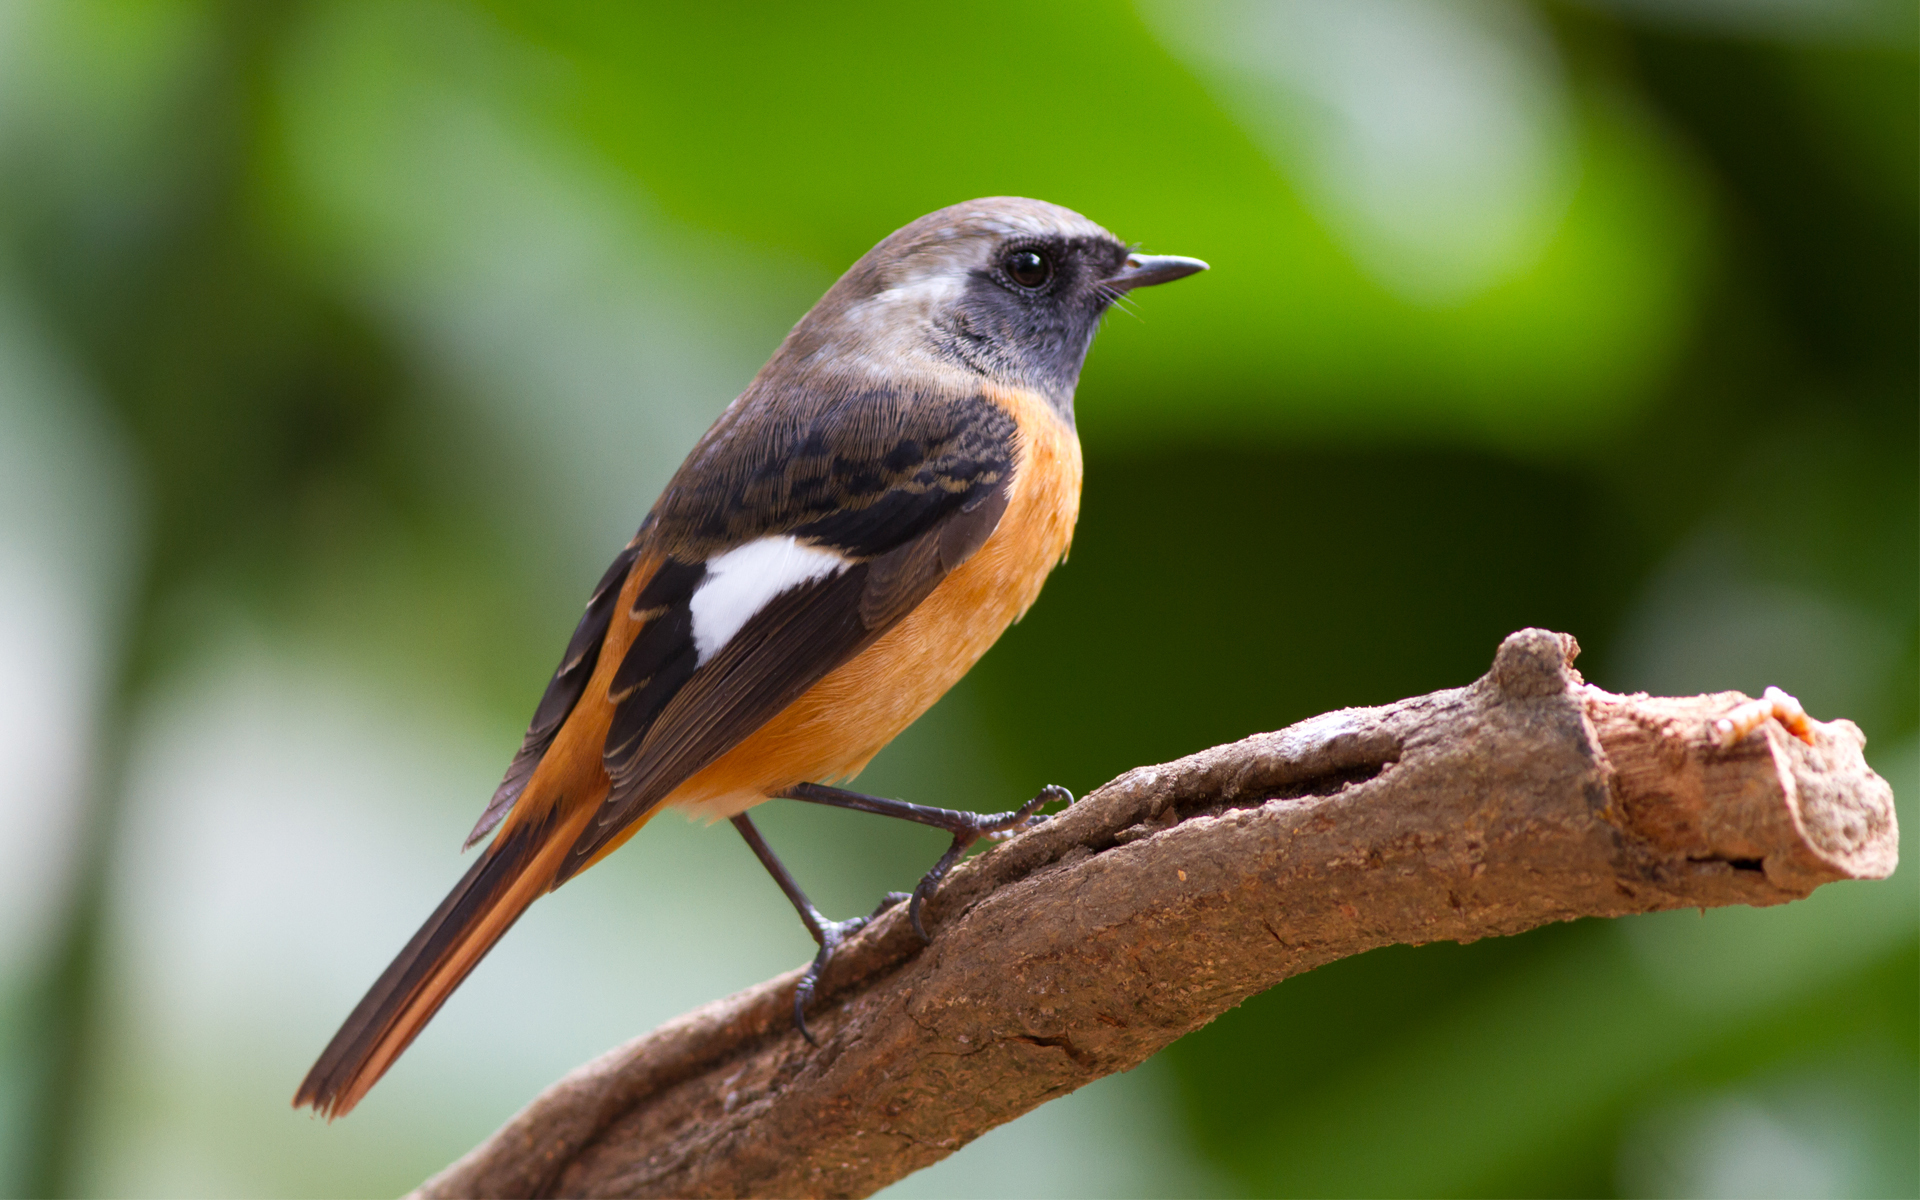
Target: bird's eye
[{"x": 1029, "y": 268}]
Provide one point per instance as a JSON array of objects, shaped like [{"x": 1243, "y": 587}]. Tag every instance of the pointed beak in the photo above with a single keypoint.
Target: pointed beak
[{"x": 1145, "y": 270}]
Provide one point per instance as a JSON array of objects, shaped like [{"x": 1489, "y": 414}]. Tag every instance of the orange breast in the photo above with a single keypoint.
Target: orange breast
[{"x": 844, "y": 720}]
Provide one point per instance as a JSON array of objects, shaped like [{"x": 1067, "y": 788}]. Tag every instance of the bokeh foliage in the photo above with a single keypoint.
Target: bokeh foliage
[{"x": 384, "y": 323}]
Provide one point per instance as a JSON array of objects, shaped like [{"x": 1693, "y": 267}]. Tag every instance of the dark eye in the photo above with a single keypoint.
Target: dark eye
[{"x": 1029, "y": 268}]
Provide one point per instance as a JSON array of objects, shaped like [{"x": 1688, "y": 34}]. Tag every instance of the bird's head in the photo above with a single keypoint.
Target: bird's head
[{"x": 1002, "y": 288}]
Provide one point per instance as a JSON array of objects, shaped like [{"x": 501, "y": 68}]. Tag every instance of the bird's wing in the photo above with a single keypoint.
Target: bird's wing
[
  {"x": 783, "y": 562},
  {"x": 795, "y": 535}
]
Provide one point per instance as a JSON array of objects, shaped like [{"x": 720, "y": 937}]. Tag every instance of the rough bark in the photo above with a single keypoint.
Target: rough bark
[{"x": 1177, "y": 891}]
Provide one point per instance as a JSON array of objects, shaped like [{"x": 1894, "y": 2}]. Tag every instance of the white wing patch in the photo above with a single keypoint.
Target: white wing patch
[{"x": 740, "y": 582}]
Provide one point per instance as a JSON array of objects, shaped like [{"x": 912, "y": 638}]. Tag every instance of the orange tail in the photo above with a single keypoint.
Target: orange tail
[{"x": 511, "y": 874}]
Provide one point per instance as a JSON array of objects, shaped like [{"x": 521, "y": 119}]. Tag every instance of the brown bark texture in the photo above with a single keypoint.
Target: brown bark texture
[{"x": 1175, "y": 892}]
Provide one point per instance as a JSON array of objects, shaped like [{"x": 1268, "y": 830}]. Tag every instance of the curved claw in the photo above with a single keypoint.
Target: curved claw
[
  {"x": 924, "y": 889},
  {"x": 1028, "y": 815},
  {"x": 996, "y": 826},
  {"x": 1048, "y": 795},
  {"x": 831, "y": 935}
]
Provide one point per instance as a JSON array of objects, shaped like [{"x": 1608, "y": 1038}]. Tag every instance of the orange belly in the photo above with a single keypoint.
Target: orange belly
[{"x": 840, "y": 723}]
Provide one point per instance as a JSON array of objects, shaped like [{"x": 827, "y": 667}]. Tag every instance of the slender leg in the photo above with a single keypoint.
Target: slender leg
[
  {"x": 966, "y": 828},
  {"x": 828, "y": 933}
]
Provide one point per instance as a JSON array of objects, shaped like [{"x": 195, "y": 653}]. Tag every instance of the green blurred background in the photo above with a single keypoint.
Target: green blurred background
[{"x": 342, "y": 344}]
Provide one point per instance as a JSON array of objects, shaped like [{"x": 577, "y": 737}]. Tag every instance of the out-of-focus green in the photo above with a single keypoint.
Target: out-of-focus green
[{"x": 342, "y": 343}]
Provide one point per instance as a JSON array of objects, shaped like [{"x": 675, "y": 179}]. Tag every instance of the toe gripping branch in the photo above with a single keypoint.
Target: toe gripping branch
[{"x": 966, "y": 828}]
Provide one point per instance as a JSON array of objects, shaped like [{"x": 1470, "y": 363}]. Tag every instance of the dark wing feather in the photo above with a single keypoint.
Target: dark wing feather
[
  {"x": 563, "y": 691},
  {"x": 920, "y": 489},
  {"x": 789, "y": 646},
  {"x": 862, "y": 472},
  {"x": 784, "y": 649},
  {"x": 660, "y": 660}
]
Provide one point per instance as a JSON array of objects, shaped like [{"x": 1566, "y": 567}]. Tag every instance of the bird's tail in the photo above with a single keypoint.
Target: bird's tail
[{"x": 511, "y": 873}]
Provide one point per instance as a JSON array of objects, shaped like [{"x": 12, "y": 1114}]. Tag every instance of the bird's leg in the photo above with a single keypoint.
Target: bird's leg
[
  {"x": 966, "y": 827},
  {"x": 828, "y": 933}
]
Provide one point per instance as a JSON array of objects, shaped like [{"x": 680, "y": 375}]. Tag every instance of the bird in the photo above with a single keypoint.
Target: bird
[{"x": 856, "y": 529}]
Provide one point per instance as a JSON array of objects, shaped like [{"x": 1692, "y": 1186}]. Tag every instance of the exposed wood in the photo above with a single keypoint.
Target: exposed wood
[{"x": 1175, "y": 892}]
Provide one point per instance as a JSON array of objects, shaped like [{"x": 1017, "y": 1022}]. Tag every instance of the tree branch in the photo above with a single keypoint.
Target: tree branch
[{"x": 1177, "y": 891}]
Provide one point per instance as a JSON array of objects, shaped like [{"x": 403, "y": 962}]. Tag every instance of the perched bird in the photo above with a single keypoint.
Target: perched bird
[{"x": 853, "y": 533}]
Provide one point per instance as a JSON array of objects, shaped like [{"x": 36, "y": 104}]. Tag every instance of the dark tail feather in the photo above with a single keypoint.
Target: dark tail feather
[{"x": 509, "y": 876}]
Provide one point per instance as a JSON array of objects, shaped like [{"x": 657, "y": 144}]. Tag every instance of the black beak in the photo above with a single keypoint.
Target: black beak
[{"x": 1145, "y": 270}]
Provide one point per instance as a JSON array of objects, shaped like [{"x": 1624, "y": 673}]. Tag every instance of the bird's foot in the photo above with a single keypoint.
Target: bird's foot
[
  {"x": 969, "y": 828},
  {"x": 830, "y": 935}
]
